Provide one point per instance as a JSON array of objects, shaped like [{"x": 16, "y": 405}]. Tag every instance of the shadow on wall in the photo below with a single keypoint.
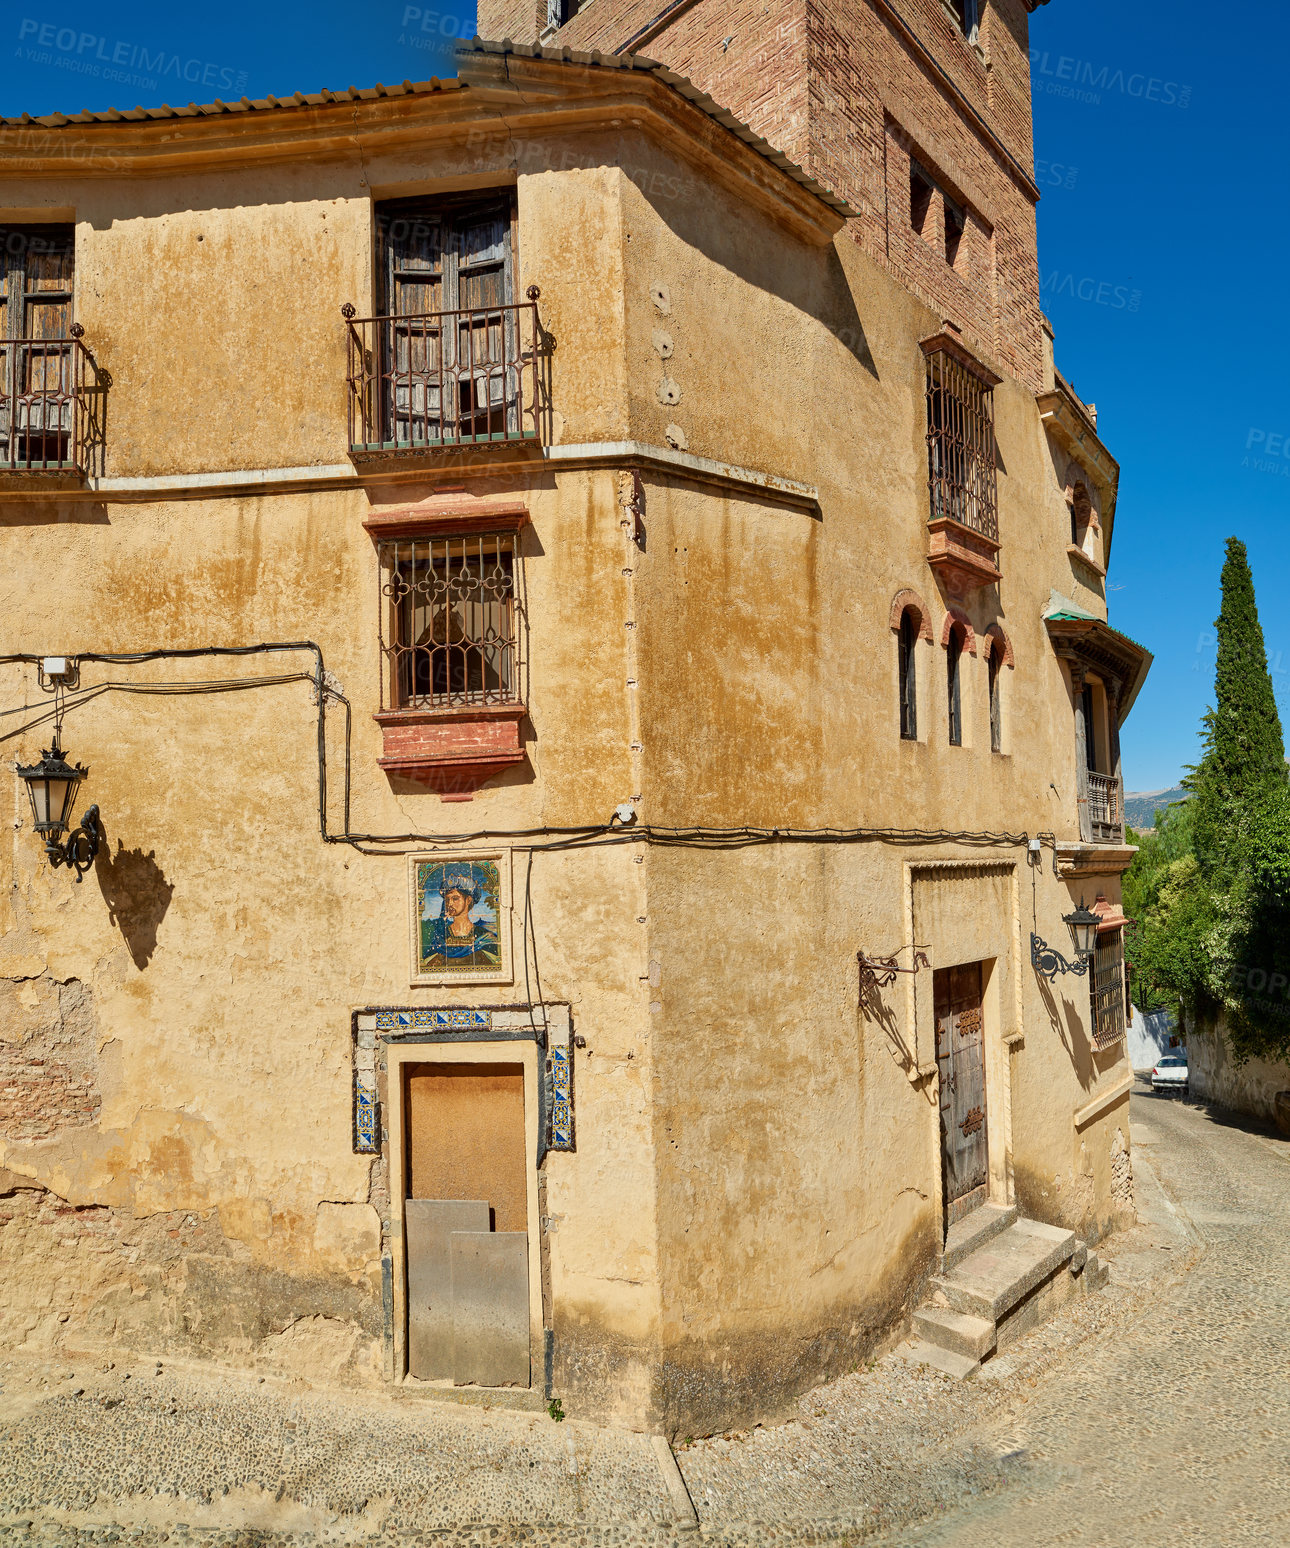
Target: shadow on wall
[
  {"x": 1066, "y": 1023},
  {"x": 137, "y": 895},
  {"x": 815, "y": 283}
]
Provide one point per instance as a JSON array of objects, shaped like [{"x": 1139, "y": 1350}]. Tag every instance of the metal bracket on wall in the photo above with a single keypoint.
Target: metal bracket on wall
[{"x": 879, "y": 972}]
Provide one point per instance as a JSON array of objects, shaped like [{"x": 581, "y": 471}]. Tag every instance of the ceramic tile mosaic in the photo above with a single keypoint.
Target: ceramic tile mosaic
[
  {"x": 433, "y": 1020},
  {"x": 560, "y": 1065},
  {"x": 367, "y": 1121}
]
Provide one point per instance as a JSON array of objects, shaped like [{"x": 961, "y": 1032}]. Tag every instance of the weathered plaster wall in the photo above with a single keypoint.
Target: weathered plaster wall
[
  {"x": 755, "y": 1194},
  {"x": 1214, "y": 1076},
  {"x": 191, "y": 999}
]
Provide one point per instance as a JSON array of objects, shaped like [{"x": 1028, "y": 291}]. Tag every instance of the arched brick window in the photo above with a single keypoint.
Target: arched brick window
[
  {"x": 907, "y": 638},
  {"x": 910, "y": 620},
  {"x": 994, "y": 670},
  {"x": 953, "y": 675}
]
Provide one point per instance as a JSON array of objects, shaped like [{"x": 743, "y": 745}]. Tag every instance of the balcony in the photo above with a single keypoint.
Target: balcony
[
  {"x": 417, "y": 384},
  {"x": 1102, "y": 809},
  {"x": 48, "y": 405}
]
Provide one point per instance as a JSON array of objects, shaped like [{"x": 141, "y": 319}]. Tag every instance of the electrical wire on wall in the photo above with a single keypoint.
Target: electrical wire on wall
[{"x": 535, "y": 839}]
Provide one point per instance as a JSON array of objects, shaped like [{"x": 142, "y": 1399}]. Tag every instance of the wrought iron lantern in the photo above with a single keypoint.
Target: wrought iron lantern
[
  {"x": 52, "y": 785},
  {"x": 1048, "y": 963}
]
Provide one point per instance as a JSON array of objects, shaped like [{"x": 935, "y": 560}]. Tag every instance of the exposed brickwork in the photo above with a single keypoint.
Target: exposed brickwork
[
  {"x": 48, "y": 1060},
  {"x": 842, "y": 89}
]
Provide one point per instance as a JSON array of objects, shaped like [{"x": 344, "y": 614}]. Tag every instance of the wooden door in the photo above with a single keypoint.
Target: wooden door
[
  {"x": 960, "y": 1063},
  {"x": 36, "y": 265}
]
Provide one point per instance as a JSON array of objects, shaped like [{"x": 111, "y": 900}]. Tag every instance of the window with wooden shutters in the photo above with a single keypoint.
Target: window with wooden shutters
[
  {"x": 452, "y": 357},
  {"x": 41, "y": 362},
  {"x": 1107, "y": 989}
]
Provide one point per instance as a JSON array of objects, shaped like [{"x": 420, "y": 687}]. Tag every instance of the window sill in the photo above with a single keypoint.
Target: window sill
[
  {"x": 1076, "y": 552},
  {"x": 453, "y": 751}
]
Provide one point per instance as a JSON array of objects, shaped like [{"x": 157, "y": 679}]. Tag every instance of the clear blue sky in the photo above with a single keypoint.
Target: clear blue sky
[
  {"x": 1185, "y": 205},
  {"x": 1161, "y": 140}
]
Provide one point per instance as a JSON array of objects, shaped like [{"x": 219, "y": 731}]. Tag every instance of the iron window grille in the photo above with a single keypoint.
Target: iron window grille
[
  {"x": 451, "y": 632},
  {"x": 961, "y": 456},
  {"x": 1107, "y": 989}
]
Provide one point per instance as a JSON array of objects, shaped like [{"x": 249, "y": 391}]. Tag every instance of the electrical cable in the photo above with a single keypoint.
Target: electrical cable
[{"x": 540, "y": 839}]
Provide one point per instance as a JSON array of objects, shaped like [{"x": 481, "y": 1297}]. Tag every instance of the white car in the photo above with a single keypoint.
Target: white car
[{"x": 1170, "y": 1073}]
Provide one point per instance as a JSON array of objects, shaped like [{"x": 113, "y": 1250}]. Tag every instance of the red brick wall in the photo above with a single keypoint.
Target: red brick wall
[
  {"x": 837, "y": 86},
  {"x": 48, "y": 1061}
]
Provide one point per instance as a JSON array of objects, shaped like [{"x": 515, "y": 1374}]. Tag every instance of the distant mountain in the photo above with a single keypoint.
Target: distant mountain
[{"x": 1140, "y": 810}]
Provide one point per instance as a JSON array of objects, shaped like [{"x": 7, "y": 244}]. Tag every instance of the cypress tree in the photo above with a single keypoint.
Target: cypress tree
[{"x": 1244, "y": 762}]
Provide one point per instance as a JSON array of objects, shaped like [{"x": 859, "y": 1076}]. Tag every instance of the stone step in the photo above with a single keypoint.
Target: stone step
[
  {"x": 922, "y": 1353},
  {"x": 991, "y": 1280},
  {"x": 960, "y": 1334},
  {"x": 1096, "y": 1273},
  {"x": 973, "y": 1231}
]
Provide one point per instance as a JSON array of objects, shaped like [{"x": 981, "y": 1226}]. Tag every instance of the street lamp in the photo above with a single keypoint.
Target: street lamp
[
  {"x": 52, "y": 785},
  {"x": 1048, "y": 963}
]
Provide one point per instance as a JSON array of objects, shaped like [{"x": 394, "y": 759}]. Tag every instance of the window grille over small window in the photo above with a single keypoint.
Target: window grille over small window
[
  {"x": 960, "y": 445},
  {"x": 1107, "y": 989},
  {"x": 953, "y": 660},
  {"x": 449, "y": 630},
  {"x": 908, "y": 677}
]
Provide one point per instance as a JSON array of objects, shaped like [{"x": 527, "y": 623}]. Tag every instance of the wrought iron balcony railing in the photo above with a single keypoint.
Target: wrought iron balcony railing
[
  {"x": 1104, "y": 809},
  {"x": 459, "y": 378},
  {"x": 48, "y": 420}
]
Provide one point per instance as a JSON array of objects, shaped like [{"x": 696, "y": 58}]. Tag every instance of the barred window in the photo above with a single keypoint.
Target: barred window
[
  {"x": 449, "y": 632},
  {"x": 1107, "y": 989},
  {"x": 960, "y": 445}
]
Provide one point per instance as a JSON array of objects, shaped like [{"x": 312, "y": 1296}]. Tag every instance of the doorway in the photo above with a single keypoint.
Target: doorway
[
  {"x": 466, "y": 1215},
  {"x": 960, "y": 1063}
]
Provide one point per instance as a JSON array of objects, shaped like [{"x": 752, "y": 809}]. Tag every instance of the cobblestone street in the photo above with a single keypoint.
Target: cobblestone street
[{"x": 1154, "y": 1413}]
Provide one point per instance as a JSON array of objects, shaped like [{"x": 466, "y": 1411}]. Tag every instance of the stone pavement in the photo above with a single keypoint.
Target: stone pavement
[{"x": 1155, "y": 1413}]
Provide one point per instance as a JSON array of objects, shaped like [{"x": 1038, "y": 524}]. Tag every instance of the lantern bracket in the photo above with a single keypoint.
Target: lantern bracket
[
  {"x": 82, "y": 844},
  {"x": 1048, "y": 963},
  {"x": 879, "y": 972}
]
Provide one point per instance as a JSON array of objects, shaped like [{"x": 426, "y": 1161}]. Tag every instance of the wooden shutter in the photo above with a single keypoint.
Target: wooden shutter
[
  {"x": 36, "y": 272},
  {"x": 446, "y": 273}
]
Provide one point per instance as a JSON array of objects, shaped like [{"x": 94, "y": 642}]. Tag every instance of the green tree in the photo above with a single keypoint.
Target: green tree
[
  {"x": 1210, "y": 888},
  {"x": 1244, "y": 762}
]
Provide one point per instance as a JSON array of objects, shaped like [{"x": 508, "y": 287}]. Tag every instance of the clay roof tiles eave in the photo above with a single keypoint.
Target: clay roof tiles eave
[
  {"x": 478, "y": 46},
  {"x": 684, "y": 88},
  {"x": 269, "y": 104}
]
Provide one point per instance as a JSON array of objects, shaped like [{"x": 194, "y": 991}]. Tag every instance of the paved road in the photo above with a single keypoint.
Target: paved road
[
  {"x": 1175, "y": 1429},
  {"x": 1154, "y": 1413}
]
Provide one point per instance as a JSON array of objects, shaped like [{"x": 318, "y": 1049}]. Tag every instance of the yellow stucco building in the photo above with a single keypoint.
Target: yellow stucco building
[{"x": 549, "y": 599}]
